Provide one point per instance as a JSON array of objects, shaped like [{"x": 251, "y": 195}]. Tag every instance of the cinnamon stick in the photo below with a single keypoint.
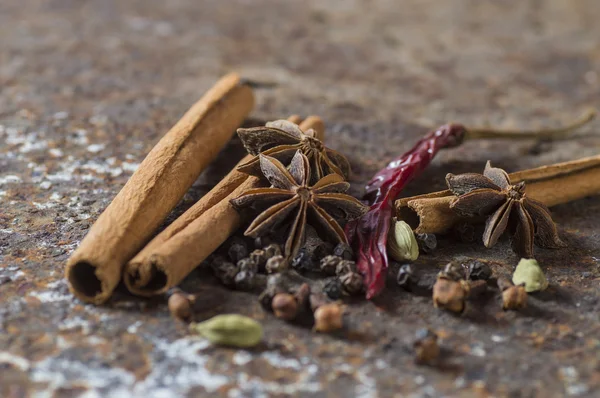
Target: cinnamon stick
[
  {"x": 551, "y": 185},
  {"x": 196, "y": 234},
  {"x": 171, "y": 167}
]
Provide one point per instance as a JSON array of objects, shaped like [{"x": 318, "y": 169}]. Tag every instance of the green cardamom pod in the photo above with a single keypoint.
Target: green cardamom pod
[
  {"x": 402, "y": 244},
  {"x": 230, "y": 329},
  {"x": 528, "y": 271}
]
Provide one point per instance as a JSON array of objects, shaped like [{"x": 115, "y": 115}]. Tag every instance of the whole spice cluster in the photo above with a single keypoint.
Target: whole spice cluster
[
  {"x": 296, "y": 225},
  {"x": 302, "y": 209},
  {"x": 290, "y": 192},
  {"x": 300, "y": 214}
]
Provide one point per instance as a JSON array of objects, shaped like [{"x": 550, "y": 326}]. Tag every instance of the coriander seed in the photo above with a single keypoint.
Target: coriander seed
[
  {"x": 328, "y": 318},
  {"x": 427, "y": 349},
  {"x": 450, "y": 294},
  {"x": 180, "y": 305},
  {"x": 513, "y": 297}
]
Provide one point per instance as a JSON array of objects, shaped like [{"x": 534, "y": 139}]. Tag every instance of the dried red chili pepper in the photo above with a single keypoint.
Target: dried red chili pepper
[{"x": 368, "y": 234}]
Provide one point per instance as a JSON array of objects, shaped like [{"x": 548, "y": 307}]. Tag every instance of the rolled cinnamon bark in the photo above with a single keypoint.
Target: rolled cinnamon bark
[
  {"x": 196, "y": 234},
  {"x": 162, "y": 179},
  {"x": 551, "y": 185}
]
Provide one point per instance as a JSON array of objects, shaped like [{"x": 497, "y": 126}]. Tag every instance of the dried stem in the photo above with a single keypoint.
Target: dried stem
[{"x": 551, "y": 134}]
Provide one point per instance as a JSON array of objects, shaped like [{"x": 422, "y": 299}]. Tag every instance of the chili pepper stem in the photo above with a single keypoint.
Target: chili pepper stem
[{"x": 556, "y": 133}]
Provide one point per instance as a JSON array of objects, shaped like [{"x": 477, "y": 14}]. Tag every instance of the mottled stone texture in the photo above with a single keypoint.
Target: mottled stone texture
[{"x": 88, "y": 87}]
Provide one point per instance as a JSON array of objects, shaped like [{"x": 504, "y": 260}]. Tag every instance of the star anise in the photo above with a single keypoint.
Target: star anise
[
  {"x": 292, "y": 199},
  {"x": 281, "y": 139},
  {"x": 507, "y": 206}
]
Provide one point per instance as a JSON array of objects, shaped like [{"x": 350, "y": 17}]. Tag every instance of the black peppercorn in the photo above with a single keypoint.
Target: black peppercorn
[
  {"x": 246, "y": 271},
  {"x": 454, "y": 271},
  {"x": 303, "y": 261},
  {"x": 427, "y": 242},
  {"x": 237, "y": 250},
  {"x": 333, "y": 288},
  {"x": 344, "y": 251},
  {"x": 266, "y": 299},
  {"x": 224, "y": 270},
  {"x": 315, "y": 246},
  {"x": 244, "y": 280},
  {"x": 478, "y": 270},
  {"x": 407, "y": 277}
]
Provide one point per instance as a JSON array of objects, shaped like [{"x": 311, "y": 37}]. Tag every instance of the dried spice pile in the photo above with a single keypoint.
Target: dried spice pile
[
  {"x": 294, "y": 251},
  {"x": 296, "y": 227}
]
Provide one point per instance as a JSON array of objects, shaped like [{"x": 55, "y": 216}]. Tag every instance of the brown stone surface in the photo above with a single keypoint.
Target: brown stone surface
[{"x": 88, "y": 87}]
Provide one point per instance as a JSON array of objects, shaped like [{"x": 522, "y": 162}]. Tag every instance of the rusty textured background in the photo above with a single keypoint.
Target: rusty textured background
[{"x": 88, "y": 87}]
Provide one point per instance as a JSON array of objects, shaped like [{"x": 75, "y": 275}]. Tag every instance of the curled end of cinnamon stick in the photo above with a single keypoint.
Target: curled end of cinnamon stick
[
  {"x": 85, "y": 283},
  {"x": 428, "y": 215},
  {"x": 147, "y": 278}
]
